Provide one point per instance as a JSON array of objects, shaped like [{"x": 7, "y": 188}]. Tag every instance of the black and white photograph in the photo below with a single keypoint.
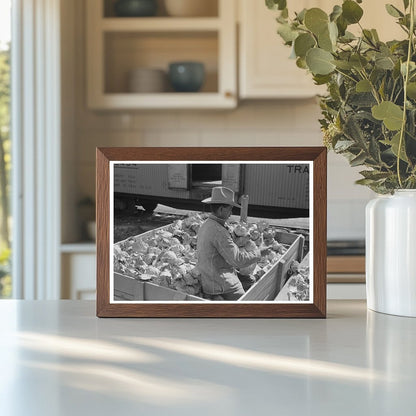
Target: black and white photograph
[{"x": 211, "y": 232}]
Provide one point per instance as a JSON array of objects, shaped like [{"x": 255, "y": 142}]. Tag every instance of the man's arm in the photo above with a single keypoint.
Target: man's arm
[{"x": 231, "y": 252}]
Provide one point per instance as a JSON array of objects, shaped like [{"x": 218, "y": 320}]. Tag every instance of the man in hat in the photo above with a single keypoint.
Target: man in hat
[{"x": 218, "y": 255}]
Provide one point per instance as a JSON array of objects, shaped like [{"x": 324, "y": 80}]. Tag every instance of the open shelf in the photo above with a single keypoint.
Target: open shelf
[
  {"x": 127, "y": 51},
  {"x": 116, "y": 46},
  {"x": 160, "y": 24},
  {"x": 209, "y": 9}
]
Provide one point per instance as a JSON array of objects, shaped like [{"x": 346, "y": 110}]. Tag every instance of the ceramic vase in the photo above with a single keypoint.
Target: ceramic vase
[{"x": 391, "y": 253}]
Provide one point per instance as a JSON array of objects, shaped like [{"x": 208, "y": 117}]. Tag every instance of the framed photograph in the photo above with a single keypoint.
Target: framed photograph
[{"x": 211, "y": 232}]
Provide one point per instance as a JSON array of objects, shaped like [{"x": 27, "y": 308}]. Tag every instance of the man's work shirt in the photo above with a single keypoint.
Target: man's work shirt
[{"x": 218, "y": 256}]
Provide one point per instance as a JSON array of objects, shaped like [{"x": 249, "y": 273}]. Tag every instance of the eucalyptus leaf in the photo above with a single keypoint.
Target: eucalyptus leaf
[
  {"x": 384, "y": 62},
  {"x": 336, "y": 12},
  {"x": 347, "y": 37},
  {"x": 374, "y": 150},
  {"x": 362, "y": 100},
  {"x": 365, "y": 182},
  {"x": 395, "y": 147},
  {"x": 321, "y": 79},
  {"x": 345, "y": 65},
  {"x": 351, "y": 11},
  {"x": 369, "y": 36},
  {"x": 412, "y": 67},
  {"x": 405, "y": 21},
  {"x": 281, "y": 19},
  {"x": 382, "y": 89},
  {"x": 374, "y": 174},
  {"x": 333, "y": 32},
  {"x": 319, "y": 61},
  {"x": 375, "y": 35},
  {"x": 411, "y": 90},
  {"x": 287, "y": 33},
  {"x": 391, "y": 114},
  {"x": 363, "y": 86},
  {"x": 358, "y": 160},
  {"x": 276, "y": 4},
  {"x": 393, "y": 11},
  {"x": 285, "y": 13},
  {"x": 354, "y": 132},
  {"x": 362, "y": 111},
  {"x": 343, "y": 145},
  {"x": 301, "y": 15},
  {"x": 316, "y": 20},
  {"x": 325, "y": 42},
  {"x": 358, "y": 61},
  {"x": 303, "y": 43},
  {"x": 301, "y": 63},
  {"x": 342, "y": 25}
]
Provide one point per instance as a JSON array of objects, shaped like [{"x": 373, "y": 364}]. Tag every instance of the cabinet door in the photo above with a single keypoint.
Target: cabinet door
[
  {"x": 266, "y": 71},
  {"x": 78, "y": 276}
]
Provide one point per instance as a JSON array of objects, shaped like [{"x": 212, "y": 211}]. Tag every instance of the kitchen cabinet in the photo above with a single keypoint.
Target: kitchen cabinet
[
  {"x": 346, "y": 277},
  {"x": 265, "y": 70},
  {"x": 78, "y": 263},
  {"x": 265, "y": 67},
  {"x": 118, "y": 45}
]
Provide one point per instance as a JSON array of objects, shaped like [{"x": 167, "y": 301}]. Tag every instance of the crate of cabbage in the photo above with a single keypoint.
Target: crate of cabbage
[{"x": 161, "y": 264}]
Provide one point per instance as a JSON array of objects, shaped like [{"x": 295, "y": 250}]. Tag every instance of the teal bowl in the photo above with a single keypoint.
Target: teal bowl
[
  {"x": 135, "y": 8},
  {"x": 186, "y": 76}
]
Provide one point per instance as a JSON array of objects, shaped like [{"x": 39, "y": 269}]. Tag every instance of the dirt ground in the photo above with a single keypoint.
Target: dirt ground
[{"x": 128, "y": 224}]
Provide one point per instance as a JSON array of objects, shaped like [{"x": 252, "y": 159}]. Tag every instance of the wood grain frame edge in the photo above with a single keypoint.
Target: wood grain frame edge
[{"x": 104, "y": 308}]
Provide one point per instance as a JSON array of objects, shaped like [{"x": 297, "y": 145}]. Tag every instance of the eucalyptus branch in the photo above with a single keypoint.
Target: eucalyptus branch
[
  {"x": 346, "y": 75},
  {"x": 373, "y": 88},
  {"x": 392, "y": 91},
  {"x": 406, "y": 79}
]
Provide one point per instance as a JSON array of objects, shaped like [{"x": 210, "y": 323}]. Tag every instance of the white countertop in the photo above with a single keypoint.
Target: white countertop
[{"x": 57, "y": 358}]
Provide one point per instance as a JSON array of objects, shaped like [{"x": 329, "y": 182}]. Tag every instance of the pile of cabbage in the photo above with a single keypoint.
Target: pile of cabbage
[
  {"x": 167, "y": 256},
  {"x": 298, "y": 283}
]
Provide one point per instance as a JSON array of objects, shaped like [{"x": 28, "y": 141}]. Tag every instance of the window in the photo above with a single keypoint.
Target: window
[{"x": 5, "y": 159}]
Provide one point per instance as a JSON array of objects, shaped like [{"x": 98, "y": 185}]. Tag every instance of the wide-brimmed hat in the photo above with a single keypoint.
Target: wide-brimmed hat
[{"x": 221, "y": 195}]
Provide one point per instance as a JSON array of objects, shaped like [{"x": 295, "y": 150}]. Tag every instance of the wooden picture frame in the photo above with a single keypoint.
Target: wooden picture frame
[{"x": 311, "y": 160}]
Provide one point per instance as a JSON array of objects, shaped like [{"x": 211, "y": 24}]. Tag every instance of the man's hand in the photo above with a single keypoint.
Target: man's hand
[{"x": 265, "y": 251}]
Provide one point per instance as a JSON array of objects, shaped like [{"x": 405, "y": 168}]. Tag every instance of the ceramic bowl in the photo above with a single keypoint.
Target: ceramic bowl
[
  {"x": 135, "y": 8},
  {"x": 147, "y": 80},
  {"x": 186, "y": 76}
]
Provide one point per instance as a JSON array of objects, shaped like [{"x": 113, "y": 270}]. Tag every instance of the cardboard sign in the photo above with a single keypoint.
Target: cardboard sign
[{"x": 178, "y": 176}]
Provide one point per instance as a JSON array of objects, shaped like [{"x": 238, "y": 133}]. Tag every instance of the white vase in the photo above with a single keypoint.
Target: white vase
[{"x": 391, "y": 253}]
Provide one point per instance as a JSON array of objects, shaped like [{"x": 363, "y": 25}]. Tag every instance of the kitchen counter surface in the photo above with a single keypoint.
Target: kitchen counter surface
[{"x": 57, "y": 358}]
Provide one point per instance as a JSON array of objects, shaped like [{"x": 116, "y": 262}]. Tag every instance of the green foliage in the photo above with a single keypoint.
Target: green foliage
[
  {"x": 369, "y": 111},
  {"x": 5, "y": 281},
  {"x": 5, "y": 144},
  {"x": 4, "y": 88}
]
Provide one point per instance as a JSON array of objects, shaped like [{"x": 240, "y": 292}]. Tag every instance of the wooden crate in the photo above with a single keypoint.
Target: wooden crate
[
  {"x": 128, "y": 288},
  {"x": 266, "y": 289},
  {"x": 270, "y": 284}
]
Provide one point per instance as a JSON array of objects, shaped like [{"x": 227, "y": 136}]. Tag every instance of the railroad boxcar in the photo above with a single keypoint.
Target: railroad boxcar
[{"x": 275, "y": 190}]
